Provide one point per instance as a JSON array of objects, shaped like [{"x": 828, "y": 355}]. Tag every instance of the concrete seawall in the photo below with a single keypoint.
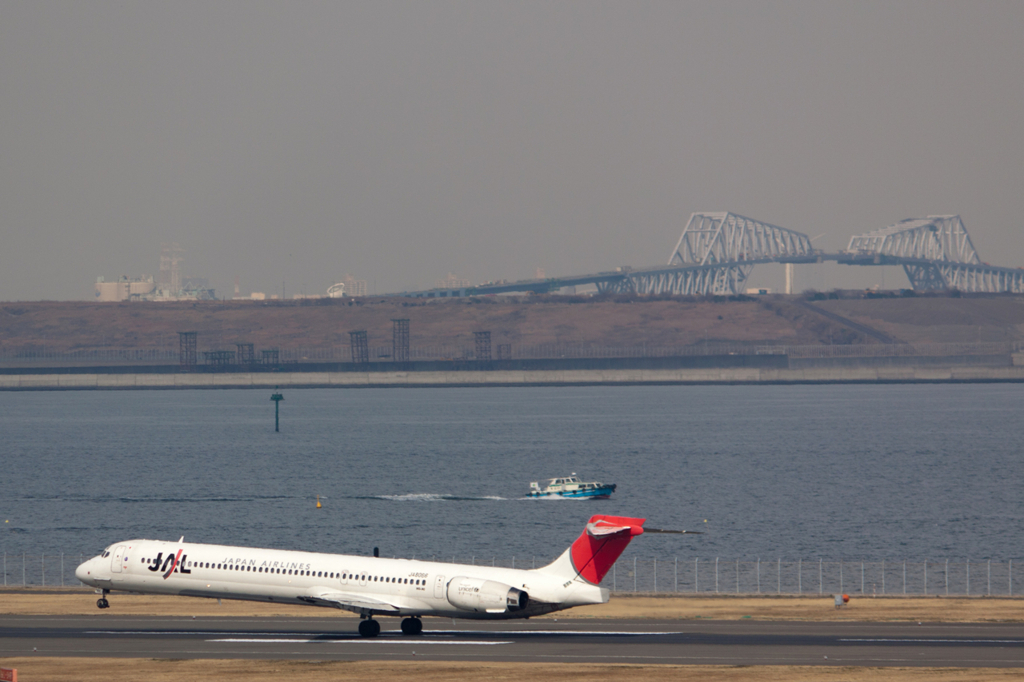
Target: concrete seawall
[{"x": 582, "y": 377}]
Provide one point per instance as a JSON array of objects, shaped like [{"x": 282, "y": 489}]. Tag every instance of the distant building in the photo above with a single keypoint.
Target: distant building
[
  {"x": 354, "y": 287},
  {"x": 169, "y": 286},
  {"x": 170, "y": 267},
  {"x": 349, "y": 286},
  {"x": 124, "y": 288},
  {"x": 451, "y": 282}
]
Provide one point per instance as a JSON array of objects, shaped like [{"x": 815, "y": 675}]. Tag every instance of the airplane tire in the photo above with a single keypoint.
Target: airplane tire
[
  {"x": 369, "y": 628},
  {"x": 412, "y": 626},
  {"x": 102, "y": 603}
]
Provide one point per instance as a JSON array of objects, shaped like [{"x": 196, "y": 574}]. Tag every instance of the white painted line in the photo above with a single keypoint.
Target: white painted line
[
  {"x": 590, "y": 633},
  {"x": 426, "y": 633},
  {"x": 943, "y": 641},
  {"x": 361, "y": 640}
]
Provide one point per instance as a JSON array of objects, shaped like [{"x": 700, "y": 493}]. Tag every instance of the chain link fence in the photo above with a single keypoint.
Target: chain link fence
[
  {"x": 685, "y": 575},
  {"x": 342, "y": 353},
  {"x": 41, "y": 570},
  {"x": 816, "y": 576}
]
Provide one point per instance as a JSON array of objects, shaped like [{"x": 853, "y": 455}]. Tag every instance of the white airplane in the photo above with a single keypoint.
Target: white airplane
[{"x": 369, "y": 586}]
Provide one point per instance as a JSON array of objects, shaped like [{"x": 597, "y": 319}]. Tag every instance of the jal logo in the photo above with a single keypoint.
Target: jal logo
[{"x": 173, "y": 561}]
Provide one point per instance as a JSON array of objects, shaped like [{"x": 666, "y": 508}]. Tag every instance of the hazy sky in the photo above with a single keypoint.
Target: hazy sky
[{"x": 398, "y": 141}]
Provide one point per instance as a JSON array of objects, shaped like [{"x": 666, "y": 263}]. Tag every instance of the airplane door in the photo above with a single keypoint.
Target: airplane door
[
  {"x": 344, "y": 576},
  {"x": 439, "y": 587},
  {"x": 116, "y": 558}
]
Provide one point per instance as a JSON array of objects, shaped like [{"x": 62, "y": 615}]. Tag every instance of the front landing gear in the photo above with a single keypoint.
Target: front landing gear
[
  {"x": 102, "y": 602},
  {"x": 412, "y": 626},
  {"x": 369, "y": 628}
]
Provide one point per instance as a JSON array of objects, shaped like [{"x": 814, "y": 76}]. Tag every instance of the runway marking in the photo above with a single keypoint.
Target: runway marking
[
  {"x": 361, "y": 640},
  {"x": 548, "y": 632},
  {"x": 426, "y": 633},
  {"x": 939, "y": 641}
]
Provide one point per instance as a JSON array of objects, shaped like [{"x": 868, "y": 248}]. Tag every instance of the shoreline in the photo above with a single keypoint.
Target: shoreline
[{"x": 507, "y": 378}]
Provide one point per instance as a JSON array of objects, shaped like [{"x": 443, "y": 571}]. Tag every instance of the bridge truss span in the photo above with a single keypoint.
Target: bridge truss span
[
  {"x": 935, "y": 238},
  {"x": 936, "y": 254},
  {"x": 711, "y": 238},
  {"x": 717, "y": 252},
  {"x": 686, "y": 280},
  {"x": 714, "y": 255}
]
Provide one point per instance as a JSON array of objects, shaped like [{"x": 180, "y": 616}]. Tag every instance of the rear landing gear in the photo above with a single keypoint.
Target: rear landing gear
[
  {"x": 412, "y": 626},
  {"x": 369, "y": 628}
]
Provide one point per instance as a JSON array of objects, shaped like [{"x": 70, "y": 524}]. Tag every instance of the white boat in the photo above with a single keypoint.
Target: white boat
[{"x": 572, "y": 487}]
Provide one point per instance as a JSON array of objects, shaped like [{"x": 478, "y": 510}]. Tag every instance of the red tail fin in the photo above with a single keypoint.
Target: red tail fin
[{"x": 601, "y": 543}]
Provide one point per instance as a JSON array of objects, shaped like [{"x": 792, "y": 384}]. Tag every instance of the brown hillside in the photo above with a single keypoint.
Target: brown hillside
[
  {"x": 947, "y": 320},
  {"x": 521, "y": 321},
  {"x": 70, "y": 326}
]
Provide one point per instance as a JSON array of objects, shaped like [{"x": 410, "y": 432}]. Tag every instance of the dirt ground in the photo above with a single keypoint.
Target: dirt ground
[
  {"x": 995, "y": 319},
  {"x": 672, "y": 322},
  {"x": 528, "y": 320},
  {"x": 107, "y": 669},
  {"x": 723, "y": 607},
  {"x": 809, "y": 608}
]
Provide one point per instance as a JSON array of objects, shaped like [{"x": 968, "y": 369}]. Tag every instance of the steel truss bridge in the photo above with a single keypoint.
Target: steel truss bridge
[{"x": 717, "y": 252}]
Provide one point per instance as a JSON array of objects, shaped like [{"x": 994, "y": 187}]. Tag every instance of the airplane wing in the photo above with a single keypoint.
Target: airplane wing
[{"x": 357, "y": 603}]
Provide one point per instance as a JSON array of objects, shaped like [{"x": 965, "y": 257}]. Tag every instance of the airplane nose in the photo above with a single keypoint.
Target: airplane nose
[{"x": 82, "y": 572}]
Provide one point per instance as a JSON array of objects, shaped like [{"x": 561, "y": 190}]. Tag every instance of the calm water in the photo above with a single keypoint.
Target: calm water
[{"x": 862, "y": 472}]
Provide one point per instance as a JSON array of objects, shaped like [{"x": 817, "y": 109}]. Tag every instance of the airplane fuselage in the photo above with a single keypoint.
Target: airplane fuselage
[{"x": 366, "y": 585}]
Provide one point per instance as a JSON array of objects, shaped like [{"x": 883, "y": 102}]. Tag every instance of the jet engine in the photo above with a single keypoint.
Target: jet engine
[{"x": 485, "y": 596}]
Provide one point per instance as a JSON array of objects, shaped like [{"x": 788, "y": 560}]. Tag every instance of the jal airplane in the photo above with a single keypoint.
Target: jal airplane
[{"x": 369, "y": 586}]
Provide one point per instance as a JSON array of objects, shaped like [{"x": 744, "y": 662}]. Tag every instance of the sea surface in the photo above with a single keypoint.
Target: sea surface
[{"x": 857, "y": 472}]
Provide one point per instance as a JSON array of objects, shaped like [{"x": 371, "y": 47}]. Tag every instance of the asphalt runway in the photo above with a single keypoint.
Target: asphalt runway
[{"x": 704, "y": 642}]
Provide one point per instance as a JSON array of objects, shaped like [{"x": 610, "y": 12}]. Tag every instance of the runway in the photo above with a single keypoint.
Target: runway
[{"x": 695, "y": 642}]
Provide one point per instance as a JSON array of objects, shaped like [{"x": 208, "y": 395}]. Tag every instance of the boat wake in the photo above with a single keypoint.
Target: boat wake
[{"x": 431, "y": 497}]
